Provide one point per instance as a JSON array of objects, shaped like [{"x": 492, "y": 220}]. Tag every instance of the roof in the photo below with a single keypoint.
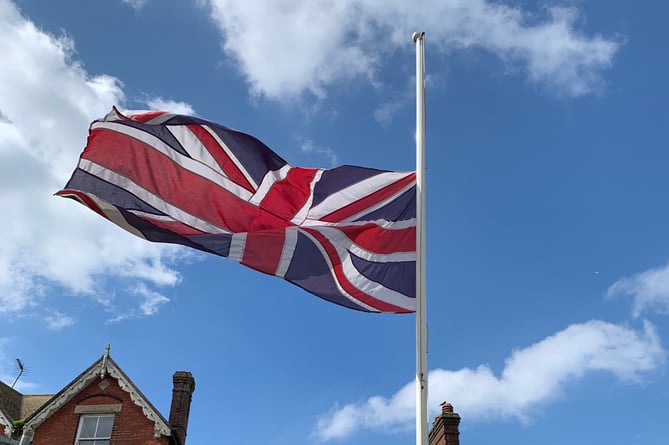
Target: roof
[
  {"x": 32, "y": 402},
  {"x": 105, "y": 365},
  {"x": 14, "y": 405},
  {"x": 10, "y": 405}
]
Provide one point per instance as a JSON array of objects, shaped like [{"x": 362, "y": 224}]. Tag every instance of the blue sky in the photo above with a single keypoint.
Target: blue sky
[{"x": 548, "y": 260}]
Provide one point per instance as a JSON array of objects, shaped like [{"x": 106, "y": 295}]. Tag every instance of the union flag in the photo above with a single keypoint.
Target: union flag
[{"x": 347, "y": 234}]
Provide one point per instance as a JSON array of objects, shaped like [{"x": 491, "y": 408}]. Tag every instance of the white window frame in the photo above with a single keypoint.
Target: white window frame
[{"x": 92, "y": 440}]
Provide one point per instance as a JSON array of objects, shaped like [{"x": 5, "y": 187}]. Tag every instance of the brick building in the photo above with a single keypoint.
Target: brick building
[{"x": 101, "y": 406}]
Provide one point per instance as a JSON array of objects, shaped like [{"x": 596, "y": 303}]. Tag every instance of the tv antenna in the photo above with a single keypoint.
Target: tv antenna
[{"x": 21, "y": 369}]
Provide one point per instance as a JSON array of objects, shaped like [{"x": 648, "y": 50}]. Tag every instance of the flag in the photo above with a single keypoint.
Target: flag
[{"x": 347, "y": 234}]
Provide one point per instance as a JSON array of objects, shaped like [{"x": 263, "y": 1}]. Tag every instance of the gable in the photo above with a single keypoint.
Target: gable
[{"x": 103, "y": 387}]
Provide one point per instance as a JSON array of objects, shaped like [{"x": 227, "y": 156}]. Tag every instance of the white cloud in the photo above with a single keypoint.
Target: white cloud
[
  {"x": 171, "y": 106},
  {"x": 309, "y": 146},
  {"x": 286, "y": 48},
  {"x": 58, "y": 320},
  {"x": 121, "y": 310},
  {"x": 384, "y": 112},
  {"x": 650, "y": 290},
  {"x": 152, "y": 300},
  {"x": 135, "y": 4},
  {"x": 531, "y": 376},
  {"x": 47, "y": 101}
]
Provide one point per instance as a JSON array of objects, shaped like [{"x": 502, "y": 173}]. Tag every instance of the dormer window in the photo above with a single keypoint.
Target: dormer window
[{"x": 94, "y": 429}]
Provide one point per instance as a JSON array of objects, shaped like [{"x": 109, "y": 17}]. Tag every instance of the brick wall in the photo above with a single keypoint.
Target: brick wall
[
  {"x": 445, "y": 428},
  {"x": 182, "y": 395},
  {"x": 131, "y": 427}
]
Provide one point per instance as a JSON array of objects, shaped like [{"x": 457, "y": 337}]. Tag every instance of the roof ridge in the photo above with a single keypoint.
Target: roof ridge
[{"x": 105, "y": 365}]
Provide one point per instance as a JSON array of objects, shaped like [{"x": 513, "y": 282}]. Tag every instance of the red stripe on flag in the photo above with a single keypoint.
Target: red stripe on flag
[
  {"x": 288, "y": 196},
  {"x": 83, "y": 198},
  {"x": 173, "y": 226},
  {"x": 181, "y": 188},
  {"x": 227, "y": 164},
  {"x": 262, "y": 250},
  {"x": 145, "y": 117},
  {"x": 376, "y": 239},
  {"x": 370, "y": 200},
  {"x": 337, "y": 268}
]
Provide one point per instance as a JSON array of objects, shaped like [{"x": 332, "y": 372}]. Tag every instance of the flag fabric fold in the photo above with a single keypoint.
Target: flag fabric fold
[{"x": 347, "y": 234}]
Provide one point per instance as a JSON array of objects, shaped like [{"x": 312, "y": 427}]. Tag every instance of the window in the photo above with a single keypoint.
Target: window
[{"x": 94, "y": 429}]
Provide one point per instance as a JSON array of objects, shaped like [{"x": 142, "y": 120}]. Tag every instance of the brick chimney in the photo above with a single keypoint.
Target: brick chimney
[
  {"x": 445, "y": 427},
  {"x": 182, "y": 393}
]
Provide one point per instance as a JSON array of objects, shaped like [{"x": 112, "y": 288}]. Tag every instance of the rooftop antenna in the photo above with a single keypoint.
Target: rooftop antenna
[{"x": 21, "y": 369}]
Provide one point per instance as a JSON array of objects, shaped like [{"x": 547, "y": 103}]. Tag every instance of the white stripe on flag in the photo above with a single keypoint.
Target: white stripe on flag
[
  {"x": 111, "y": 213},
  {"x": 148, "y": 197},
  {"x": 382, "y": 223},
  {"x": 237, "y": 247},
  {"x": 354, "y": 192},
  {"x": 194, "y": 147},
  {"x": 341, "y": 241},
  {"x": 271, "y": 177},
  {"x": 334, "y": 277},
  {"x": 153, "y": 216},
  {"x": 231, "y": 155},
  {"x": 376, "y": 290},
  {"x": 287, "y": 252},
  {"x": 380, "y": 204},
  {"x": 301, "y": 214},
  {"x": 182, "y": 161}
]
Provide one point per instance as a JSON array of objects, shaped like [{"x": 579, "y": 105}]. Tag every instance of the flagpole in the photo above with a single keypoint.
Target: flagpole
[{"x": 421, "y": 322}]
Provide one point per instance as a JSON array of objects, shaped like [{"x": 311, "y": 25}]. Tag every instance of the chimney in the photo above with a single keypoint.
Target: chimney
[
  {"x": 182, "y": 392},
  {"x": 445, "y": 427}
]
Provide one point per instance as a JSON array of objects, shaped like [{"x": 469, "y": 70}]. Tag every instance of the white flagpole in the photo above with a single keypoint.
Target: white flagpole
[{"x": 421, "y": 322}]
